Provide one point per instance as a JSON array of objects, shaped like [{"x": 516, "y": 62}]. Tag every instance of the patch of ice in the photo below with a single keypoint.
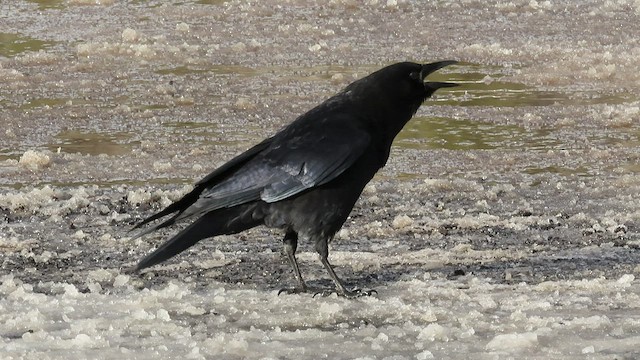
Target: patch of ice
[
  {"x": 34, "y": 159},
  {"x": 244, "y": 103},
  {"x": 626, "y": 279},
  {"x": 315, "y": 48},
  {"x": 239, "y": 47},
  {"x": 513, "y": 342},
  {"x": 425, "y": 355},
  {"x": 182, "y": 27},
  {"x": 401, "y": 222},
  {"x": 121, "y": 280},
  {"x": 130, "y": 35},
  {"x": 30, "y": 200},
  {"x": 433, "y": 332},
  {"x": 161, "y": 166}
]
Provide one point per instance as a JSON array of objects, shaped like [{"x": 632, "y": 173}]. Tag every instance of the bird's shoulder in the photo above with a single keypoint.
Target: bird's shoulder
[{"x": 321, "y": 128}]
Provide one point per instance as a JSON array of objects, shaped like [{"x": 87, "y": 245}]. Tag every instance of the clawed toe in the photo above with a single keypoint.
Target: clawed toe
[
  {"x": 295, "y": 290},
  {"x": 300, "y": 290},
  {"x": 349, "y": 294},
  {"x": 365, "y": 292}
]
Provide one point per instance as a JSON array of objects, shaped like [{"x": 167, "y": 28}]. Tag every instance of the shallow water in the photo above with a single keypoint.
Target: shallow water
[
  {"x": 12, "y": 44},
  {"x": 504, "y": 225},
  {"x": 421, "y": 133}
]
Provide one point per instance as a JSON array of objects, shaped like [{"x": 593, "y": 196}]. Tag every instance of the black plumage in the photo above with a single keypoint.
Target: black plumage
[{"x": 306, "y": 178}]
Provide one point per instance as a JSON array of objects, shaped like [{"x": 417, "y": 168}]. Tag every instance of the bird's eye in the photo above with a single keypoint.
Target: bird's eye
[{"x": 415, "y": 76}]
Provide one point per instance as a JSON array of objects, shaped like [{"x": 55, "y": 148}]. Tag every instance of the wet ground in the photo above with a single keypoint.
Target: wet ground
[{"x": 505, "y": 224}]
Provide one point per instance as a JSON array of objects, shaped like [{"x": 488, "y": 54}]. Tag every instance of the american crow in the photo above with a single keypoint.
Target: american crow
[{"x": 306, "y": 178}]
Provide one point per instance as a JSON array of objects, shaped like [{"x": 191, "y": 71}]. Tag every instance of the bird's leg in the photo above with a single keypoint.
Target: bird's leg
[
  {"x": 322, "y": 247},
  {"x": 290, "y": 245}
]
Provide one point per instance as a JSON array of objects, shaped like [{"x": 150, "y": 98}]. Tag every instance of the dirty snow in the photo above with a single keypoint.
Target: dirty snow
[{"x": 504, "y": 226}]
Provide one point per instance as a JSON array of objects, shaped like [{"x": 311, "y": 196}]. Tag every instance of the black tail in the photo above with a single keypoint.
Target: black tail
[
  {"x": 178, "y": 206},
  {"x": 220, "y": 222}
]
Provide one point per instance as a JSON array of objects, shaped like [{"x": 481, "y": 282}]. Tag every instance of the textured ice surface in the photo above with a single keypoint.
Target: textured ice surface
[
  {"x": 505, "y": 224},
  {"x": 447, "y": 318}
]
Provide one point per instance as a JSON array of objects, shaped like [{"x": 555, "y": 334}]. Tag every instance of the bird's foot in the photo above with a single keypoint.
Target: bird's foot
[
  {"x": 300, "y": 290},
  {"x": 289, "y": 291},
  {"x": 349, "y": 294}
]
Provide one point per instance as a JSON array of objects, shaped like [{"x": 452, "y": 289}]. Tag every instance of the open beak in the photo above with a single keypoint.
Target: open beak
[{"x": 432, "y": 67}]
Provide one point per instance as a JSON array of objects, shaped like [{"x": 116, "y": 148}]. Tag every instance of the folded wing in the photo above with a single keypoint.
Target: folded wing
[{"x": 296, "y": 160}]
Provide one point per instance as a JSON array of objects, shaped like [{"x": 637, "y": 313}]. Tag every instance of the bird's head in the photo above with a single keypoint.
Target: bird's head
[
  {"x": 392, "y": 95},
  {"x": 405, "y": 82}
]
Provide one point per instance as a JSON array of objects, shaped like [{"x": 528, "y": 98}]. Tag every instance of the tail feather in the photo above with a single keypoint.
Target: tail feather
[
  {"x": 151, "y": 229},
  {"x": 221, "y": 222},
  {"x": 179, "y": 206}
]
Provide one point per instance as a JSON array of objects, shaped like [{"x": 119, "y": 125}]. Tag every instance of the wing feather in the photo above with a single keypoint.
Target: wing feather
[{"x": 294, "y": 161}]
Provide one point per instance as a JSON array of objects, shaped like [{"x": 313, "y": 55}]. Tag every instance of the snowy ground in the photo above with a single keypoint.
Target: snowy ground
[{"x": 505, "y": 225}]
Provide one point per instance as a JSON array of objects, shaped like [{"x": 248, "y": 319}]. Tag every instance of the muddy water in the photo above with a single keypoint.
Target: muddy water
[
  {"x": 480, "y": 86},
  {"x": 14, "y": 44}
]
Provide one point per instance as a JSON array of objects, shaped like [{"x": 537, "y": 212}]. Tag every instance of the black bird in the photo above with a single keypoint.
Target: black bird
[{"x": 306, "y": 178}]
